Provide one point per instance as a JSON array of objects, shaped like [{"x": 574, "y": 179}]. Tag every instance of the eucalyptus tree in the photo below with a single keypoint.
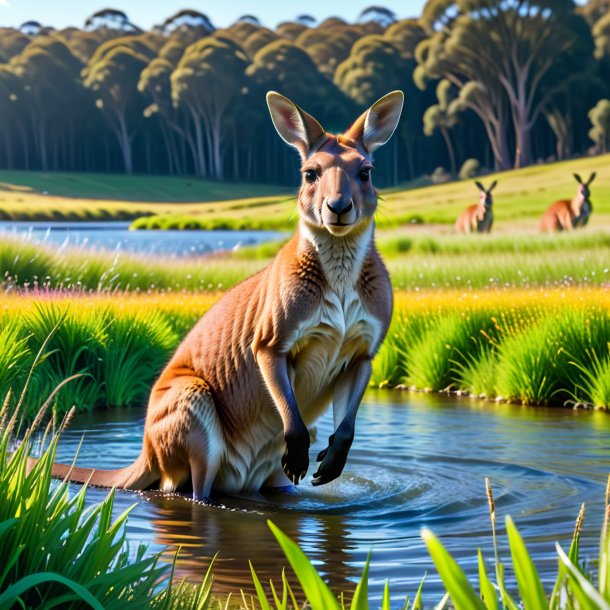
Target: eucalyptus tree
[
  {"x": 505, "y": 52},
  {"x": 12, "y": 42},
  {"x": 208, "y": 82},
  {"x": 405, "y": 35},
  {"x": 112, "y": 74},
  {"x": 12, "y": 96},
  {"x": 290, "y": 29},
  {"x": 111, "y": 19},
  {"x": 443, "y": 116},
  {"x": 375, "y": 66},
  {"x": 380, "y": 14},
  {"x": 49, "y": 72}
]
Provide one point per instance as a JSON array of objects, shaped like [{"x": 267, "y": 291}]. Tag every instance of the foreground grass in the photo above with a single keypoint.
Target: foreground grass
[
  {"x": 543, "y": 346},
  {"x": 418, "y": 262},
  {"x": 519, "y": 200}
]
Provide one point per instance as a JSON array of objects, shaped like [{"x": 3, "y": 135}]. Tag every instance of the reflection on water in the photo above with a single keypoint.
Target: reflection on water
[
  {"x": 116, "y": 236},
  {"x": 417, "y": 461}
]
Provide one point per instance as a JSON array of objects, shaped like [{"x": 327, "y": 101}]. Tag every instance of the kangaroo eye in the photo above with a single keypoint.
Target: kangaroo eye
[
  {"x": 364, "y": 175},
  {"x": 310, "y": 176}
]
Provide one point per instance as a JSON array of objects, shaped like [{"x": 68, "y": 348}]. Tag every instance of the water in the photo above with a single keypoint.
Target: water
[
  {"x": 417, "y": 461},
  {"x": 117, "y": 236}
]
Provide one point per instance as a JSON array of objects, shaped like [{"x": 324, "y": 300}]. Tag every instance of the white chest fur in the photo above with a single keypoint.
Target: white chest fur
[{"x": 340, "y": 330}]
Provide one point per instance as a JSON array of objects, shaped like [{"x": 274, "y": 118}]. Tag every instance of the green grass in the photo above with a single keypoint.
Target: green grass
[
  {"x": 529, "y": 347},
  {"x": 429, "y": 262},
  {"x": 137, "y": 188},
  {"x": 60, "y": 553},
  {"x": 544, "y": 346},
  {"x": 519, "y": 200}
]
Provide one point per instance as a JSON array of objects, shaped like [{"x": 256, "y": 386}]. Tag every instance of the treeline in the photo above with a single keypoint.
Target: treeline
[{"x": 504, "y": 82}]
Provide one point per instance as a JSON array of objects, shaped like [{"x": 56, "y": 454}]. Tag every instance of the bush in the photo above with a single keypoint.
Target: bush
[{"x": 470, "y": 169}]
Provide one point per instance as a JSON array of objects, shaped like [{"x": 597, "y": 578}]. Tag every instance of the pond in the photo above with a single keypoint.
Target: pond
[
  {"x": 117, "y": 236},
  {"x": 417, "y": 461}
]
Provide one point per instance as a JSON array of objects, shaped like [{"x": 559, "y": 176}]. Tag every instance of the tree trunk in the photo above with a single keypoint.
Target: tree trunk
[
  {"x": 125, "y": 144},
  {"x": 448, "y": 143}
]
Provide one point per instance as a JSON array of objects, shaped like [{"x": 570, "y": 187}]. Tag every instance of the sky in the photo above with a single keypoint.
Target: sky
[{"x": 146, "y": 13}]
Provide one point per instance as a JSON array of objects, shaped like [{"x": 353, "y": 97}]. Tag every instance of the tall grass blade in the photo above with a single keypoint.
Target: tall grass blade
[
  {"x": 459, "y": 588},
  {"x": 318, "y": 594},
  {"x": 528, "y": 580}
]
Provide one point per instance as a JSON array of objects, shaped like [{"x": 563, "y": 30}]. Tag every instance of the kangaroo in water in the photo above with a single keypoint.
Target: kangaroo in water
[
  {"x": 478, "y": 216},
  {"x": 232, "y": 407},
  {"x": 564, "y": 214}
]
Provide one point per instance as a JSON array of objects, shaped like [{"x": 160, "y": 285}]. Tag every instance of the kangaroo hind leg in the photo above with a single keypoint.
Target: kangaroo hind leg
[{"x": 187, "y": 436}]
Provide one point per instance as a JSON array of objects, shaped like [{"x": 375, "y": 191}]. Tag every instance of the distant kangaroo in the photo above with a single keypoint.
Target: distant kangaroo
[
  {"x": 564, "y": 214},
  {"x": 478, "y": 216},
  {"x": 231, "y": 408}
]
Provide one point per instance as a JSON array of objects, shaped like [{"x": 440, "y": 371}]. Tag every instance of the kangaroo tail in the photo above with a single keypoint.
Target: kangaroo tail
[{"x": 138, "y": 476}]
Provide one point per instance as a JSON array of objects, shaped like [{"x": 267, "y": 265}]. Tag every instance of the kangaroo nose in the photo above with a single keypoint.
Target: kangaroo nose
[{"x": 339, "y": 205}]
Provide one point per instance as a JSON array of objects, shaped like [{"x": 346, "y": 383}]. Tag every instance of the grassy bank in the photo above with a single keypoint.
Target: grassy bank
[
  {"x": 542, "y": 346},
  {"x": 171, "y": 202},
  {"x": 417, "y": 262}
]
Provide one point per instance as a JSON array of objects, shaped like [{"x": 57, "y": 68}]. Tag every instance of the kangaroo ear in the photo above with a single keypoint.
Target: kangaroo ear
[
  {"x": 294, "y": 125},
  {"x": 493, "y": 186},
  {"x": 592, "y": 178},
  {"x": 578, "y": 178},
  {"x": 480, "y": 186},
  {"x": 376, "y": 126}
]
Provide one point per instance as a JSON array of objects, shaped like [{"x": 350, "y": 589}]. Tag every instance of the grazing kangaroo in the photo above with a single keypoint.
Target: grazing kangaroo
[
  {"x": 478, "y": 216},
  {"x": 232, "y": 407},
  {"x": 564, "y": 215}
]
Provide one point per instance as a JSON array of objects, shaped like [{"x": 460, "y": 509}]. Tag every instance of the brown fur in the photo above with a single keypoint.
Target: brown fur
[
  {"x": 271, "y": 355},
  {"x": 566, "y": 214}
]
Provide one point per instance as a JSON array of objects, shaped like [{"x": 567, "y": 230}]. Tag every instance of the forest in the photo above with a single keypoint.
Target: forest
[{"x": 488, "y": 84}]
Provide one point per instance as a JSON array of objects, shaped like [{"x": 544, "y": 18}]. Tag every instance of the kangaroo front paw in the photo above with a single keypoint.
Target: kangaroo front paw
[
  {"x": 332, "y": 459},
  {"x": 295, "y": 460}
]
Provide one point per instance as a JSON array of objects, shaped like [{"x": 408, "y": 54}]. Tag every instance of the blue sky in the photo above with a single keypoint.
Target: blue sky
[{"x": 146, "y": 13}]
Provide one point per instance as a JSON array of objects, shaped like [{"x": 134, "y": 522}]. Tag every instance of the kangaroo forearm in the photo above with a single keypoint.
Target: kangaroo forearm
[
  {"x": 349, "y": 390},
  {"x": 273, "y": 366}
]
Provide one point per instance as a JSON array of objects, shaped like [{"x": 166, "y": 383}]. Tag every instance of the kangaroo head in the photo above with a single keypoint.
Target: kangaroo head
[
  {"x": 485, "y": 198},
  {"x": 583, "y": 193},
  {"x": 337, "y": 192}
]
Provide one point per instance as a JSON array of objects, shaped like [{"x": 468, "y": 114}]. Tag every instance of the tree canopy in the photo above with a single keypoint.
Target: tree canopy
[{"x": 505, "y": 83}]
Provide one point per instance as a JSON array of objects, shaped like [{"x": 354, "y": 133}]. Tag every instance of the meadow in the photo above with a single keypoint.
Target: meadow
[{"x": 188, "y": 203}]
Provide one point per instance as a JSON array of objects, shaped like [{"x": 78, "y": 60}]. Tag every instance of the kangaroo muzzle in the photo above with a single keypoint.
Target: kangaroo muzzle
[{"x": 338, "y": 212}]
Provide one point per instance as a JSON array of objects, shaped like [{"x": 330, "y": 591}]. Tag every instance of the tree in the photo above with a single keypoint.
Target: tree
[
  {"x": 49, "y": 72},
  {"x": 110, "y": 19},
  {"x": 188, "y": 23},
  {"x": 405, "y": 35},
  {"x": 383, "y": 16},
  {"x": 207, "y": 82},
  {"x": 113, "y": 74},
  {"x": 599, "y": 116},
  {"x": 443, "y": 116},
  {"x": 523, "y": 41},
  {"x": 12, "y": 42}
]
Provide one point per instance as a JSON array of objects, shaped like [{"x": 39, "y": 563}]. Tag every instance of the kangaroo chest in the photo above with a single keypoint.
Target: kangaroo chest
[{"x": 340, "y": 330}]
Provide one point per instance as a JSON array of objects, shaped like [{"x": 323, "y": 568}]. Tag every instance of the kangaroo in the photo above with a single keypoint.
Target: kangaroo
[
  {"x": 564, "y": 215},
  {"x": 478, "y": 216},
  {"x": 232, "y": 408}
]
